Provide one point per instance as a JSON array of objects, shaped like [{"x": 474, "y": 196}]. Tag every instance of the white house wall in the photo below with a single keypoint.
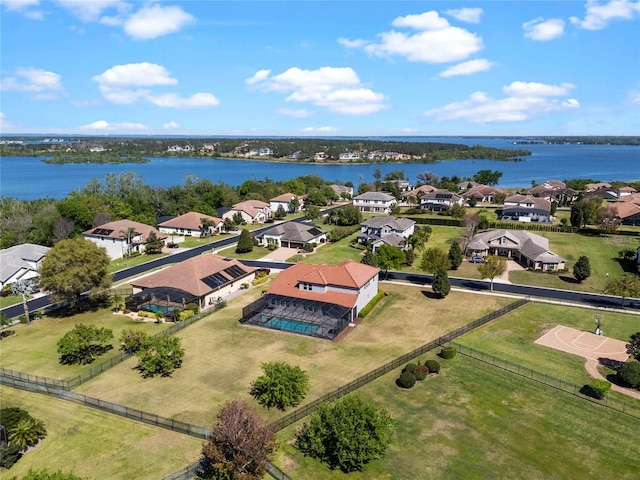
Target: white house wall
[
  {"x": 115, "y": 248},
  {"x": 367, "y": 293}
]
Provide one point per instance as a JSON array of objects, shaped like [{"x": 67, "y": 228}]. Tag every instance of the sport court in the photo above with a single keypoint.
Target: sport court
[{"x": 586, "y": 344}]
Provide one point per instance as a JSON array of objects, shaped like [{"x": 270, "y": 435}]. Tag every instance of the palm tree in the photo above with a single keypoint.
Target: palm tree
[
  {"x": 128, "y": 235},
  {"x": 24, "y": 288},
  {"x": 25, "y": 434}
]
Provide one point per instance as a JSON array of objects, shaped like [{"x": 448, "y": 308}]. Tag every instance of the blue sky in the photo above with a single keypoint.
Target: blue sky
[{"x": 320, "y": 67}]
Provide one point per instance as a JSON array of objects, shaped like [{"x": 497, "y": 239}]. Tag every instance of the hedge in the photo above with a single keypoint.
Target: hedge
[
  {"x": 448, "y": 352},
  {"x": 369, "y": 306},
  {"x": 599, "y": 389}
]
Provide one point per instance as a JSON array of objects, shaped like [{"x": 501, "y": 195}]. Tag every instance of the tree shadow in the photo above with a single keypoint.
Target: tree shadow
[
  {"x": 568, "y": 279},
  {"x": 430, "y": 295}
]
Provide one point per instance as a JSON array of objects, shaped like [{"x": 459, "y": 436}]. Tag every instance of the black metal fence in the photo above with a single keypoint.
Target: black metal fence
[
  {"x": 95, "y": 370},
  {"x": 629, "y": 408}
]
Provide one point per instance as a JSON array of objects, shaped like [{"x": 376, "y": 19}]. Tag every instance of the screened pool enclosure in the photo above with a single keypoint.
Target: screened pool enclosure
[
  {"x": 160, "y": 299},
  {"x": 305, "y": 317}
]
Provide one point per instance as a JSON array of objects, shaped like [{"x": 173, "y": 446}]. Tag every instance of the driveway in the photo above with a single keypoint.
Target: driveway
[{"x": 280, "y": 254}]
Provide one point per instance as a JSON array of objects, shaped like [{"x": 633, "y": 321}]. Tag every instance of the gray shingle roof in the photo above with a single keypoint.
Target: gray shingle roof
[
  {"x": 294, "y": 232},
  {"x": 393, "y": 222},
  {"x": 14, "y": 258},
  {"x": 379, "y": 196}
]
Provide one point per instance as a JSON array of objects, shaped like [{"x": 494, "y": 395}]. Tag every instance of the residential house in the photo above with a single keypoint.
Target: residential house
[
  {"x": 392, "y": 231},
  {"x": 403, "y": 185},
  {"x": 315, "y": 300},
  {"x": 529, "y": 249},
  {"x": 592, "y": 187},
  {"x": 482, "y": 193},
  {"x": 292, "y": 235},
  {"x": 525, "y": 208},
  {"x": 191, "y": 224},
  {"x": 252, "y": 211},
  {"x": 115, "y": 238},
  {"x": 20, "y": 262},
  {"x": 349, "y": 156},
  {"x": 417, "y": 193},
  {"x": 624, "y": 191},
  {"x": 319, "y": 156},
  {"x": 204, "y": 278},
  {"x": 603, "y": 194},
  {"x": 628, "y": 213},
  {"x": 467, "y": 184},
  {"x": 285, "y": 200},
  {"x": 262, "y": 152},
  {"x": 342, "y": 190},
  {"x": 374, "y": 202},
  {"x": 440, "y": 200},
  {"x": 554, "y": 191}
]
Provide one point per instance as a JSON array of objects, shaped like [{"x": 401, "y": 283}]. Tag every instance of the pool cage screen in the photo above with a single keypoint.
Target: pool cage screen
[
  {"x": 160, "y": 299},
  {"x": 306, "y": 317}
]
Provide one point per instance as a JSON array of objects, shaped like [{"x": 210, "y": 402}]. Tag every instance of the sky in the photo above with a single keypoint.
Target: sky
[{"x": 320, "y": 68}]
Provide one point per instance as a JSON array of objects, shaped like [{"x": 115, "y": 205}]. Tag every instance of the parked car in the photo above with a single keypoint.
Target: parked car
[
  {"x": 477, "y": 259},
  {"x": 172, "y": 245},
  {"x": 634, "y": 303}
]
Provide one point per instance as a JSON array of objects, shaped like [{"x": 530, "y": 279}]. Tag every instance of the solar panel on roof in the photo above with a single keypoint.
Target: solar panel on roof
[
  {"x": 234, "y": 271},
  {"x": 215, "y": 280},
  {"x": 102, "y": 231}
]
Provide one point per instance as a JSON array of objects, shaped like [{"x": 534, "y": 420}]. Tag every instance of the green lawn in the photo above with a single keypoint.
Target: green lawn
[
  {"x": 334, "y": 253},
  {"x": 257, "y": 252},
  {"x": 122, "y": 263},
  {"x": 34, "y": 347},
  {"x": 10, "y": 300},
  {"x": 222, "y": 357},
  {"x": 474, "y": 421},
  {"x": 96, "y": 444},
  {"x": 512, "y": 338}
]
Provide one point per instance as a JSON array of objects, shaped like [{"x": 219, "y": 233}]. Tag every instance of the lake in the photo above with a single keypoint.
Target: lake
[{"x": 29, "y": 178}]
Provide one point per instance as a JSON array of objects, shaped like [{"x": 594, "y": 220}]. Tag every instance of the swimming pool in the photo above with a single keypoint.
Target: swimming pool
[
  {"x": 292, "y": 326},
  {"x": 157, "y": 308}
]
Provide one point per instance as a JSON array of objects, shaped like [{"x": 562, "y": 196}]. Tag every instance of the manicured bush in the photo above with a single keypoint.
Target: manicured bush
[
  {"x": 308, "y": 247},
  {"x": 406, "y": 380},
  {"x": 193, "y": 307},
  {"x": 410, "y": 367},
  {"x": 369, "y": 306},
  {"x": 9, "y": 455},
  {"x": 433, "y": 366},
  {"x": 421, "y": 372},
  {"x": 448, "y": 352},
  {"x": 260, "y": 279},
  {"x": 145, "y": 314},
  {"x": 186, "y": 314},
  {"x": 629, "y": 373},
  {"x": 599, "y": 389}
]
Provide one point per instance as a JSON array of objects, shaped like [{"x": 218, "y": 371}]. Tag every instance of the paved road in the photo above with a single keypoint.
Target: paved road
[{"x": 598, "y": 300}]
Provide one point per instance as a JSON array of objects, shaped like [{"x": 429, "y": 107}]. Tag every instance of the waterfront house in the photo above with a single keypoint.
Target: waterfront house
[
  {"x": 285, "y": 200},
  {"x": 392, "y": 231},
  {"x": 525, "y": 208},
  {"x": 440, "y": 200},
  {"x": 122, "y": 237},
  {"x": 527, "y": 248},
  {"x": 292, "y": 235},
  {"x": 20, "y": 262},
  {"x": 252, "y": 211},
  {"x": 191, "y": 224},
  {"x": 482, "y": 193}
]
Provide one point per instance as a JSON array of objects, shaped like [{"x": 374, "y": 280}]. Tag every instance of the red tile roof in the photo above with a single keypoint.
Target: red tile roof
[
  {"x": 117, "y": 228},
  {"x": 188, "y": 275},
  {"x": 285, "y": 197},
  {"x": 348, "y": 274},
  {"x": 191, "y": 220}
]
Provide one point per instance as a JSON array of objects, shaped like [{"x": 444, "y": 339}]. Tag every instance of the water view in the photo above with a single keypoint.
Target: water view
[{"x": 29, "y": 178}]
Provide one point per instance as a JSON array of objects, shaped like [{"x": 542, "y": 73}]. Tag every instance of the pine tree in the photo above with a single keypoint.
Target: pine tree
[
  {"x": 582, "y": 269},
  {"x": 245, "y": 242},
  {"x": 441, "y": 285},
  {"x": 455, "y": 255}
]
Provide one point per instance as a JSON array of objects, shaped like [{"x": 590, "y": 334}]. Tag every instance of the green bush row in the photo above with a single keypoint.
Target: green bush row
[{"x": 369, "y": 306}]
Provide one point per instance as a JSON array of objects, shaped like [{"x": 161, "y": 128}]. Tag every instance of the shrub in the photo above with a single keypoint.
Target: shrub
[
  {"x": 410, "y": 367},
  {"x": 9, "y": 455},
  {"x": 6, "y": 333},
  {"x": 421, "y": 372},
  {"x": 186, "y": 314},
  {"x": 629, "y": 373},
  {"x": 369, "y": 306},
  {"x": 308, "y": 247},
  {"x": 448, "y": 352},
  {"x": 145, "y": 314},
  {"x": 433, "y": 366},
  {"x": 281, "y": 385},
  {"x": 133, "y": 340},
  {"x": 37, "y": 315},
  {"x": 193, "y": 307},
  {"x": 260, "y": 279},
  {"x": 599, "y": 389},
  {"x": 406, "y": 380}
]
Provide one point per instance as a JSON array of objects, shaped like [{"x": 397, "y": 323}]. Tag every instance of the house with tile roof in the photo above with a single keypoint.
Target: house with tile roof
[
  {"x": 527, "y": 248},
  {"x": 285, "y": 200},
  {"x": 392, "y": 231},
  {"x": 252, "y": 211},
  {"x": 20, "y": 262},
  {"x": 627, "y": 212},
  {"x": 204, "y": 278},
  {"x": 191, "y": 224},
  {"x": 374, "y": 202},
  {"x": 342, "y": 190},
  {"x": 292, "y": 235},
  {"x": 113, "y": 237},
  {"x": 417, "y": 192},
  {"x": 315, "y": 300},
  {"x": 482, "y": 193},
  {"x": 525, "y": 208}
]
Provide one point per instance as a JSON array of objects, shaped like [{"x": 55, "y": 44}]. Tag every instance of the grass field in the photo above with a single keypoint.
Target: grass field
[
  {"x": 10, "y": 300},
  {"x": 475, "y": 421},
  {"x": 222, "y": 357},
  {"x": 96, "y": 444},
  {"x": 122, "y": 263},
  {"x": 257, "y": 252},
  {"x": 512, "y": 338},
  {"x": 34, "y": 347}
]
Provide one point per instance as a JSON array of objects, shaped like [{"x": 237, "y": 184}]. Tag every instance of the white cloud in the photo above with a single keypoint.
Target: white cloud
[
  {"x": 337, "y": 89},
  {"x": 599, "y": 14},
  {"x": 170, "y": 125},
  {"x": 543, "y": 30},
  {"x": 259, "y": 76},
  {"x": 136, "y": 74},
  {"x": 468, "y": 68},
  {"x": 301, "y": 113},
  {"x": 90, "y": 10},
  {"x": 40, "y": 84},
  {"x": 156, "y": 21},
  {"x": 469, "y": 15},
  {"x": 172, "y": 100},
  {"x": 318, "y": 129},
  {"x": 436, "y": 41},
  {"x": 524, "y": 101},
  {"x": 635, "y": 97},
  {"x": 104, "y": 126},
  {"x": 352, "y": 43}
]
